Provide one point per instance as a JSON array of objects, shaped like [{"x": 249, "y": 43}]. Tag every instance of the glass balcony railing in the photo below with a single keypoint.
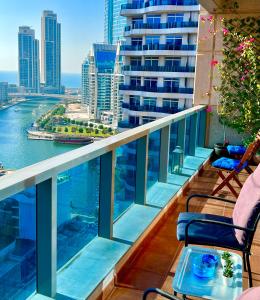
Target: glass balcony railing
[
  {"x": 77, "y": 214},
  {"x": 158, "y": 3},
  {"x": 167, "y": 25},
  {"x": 148, "y": 108},
  {"x": 159, "y": 68},
  {"x": 155, "y": 89},
  {"x": 157, "y": 47}
]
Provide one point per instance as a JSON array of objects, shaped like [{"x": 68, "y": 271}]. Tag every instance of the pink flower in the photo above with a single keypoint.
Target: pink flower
[
  {"x": 214, "y": 62},
  {"x": 203, "y": 19},
  {"x": 221, "y": 19},
  {"x": 209, "y": 109},
  {"x": 251, "y": 40},
  {"x": 225, "y": 31},
  {"x": 210, "y": 18},
  {"x": 243, "y": 78}
]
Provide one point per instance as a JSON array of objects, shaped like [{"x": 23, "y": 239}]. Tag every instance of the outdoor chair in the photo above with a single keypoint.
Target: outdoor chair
[
  {"x": 159, "y": 292},
  {"x": 235, "y": 233},
  {"x": 234, "y": 167}
]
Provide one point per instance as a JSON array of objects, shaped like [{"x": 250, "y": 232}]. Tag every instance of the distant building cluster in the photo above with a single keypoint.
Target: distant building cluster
[
  {"x": 29, "y": 58},
  {"x": 3, "y": 92}
]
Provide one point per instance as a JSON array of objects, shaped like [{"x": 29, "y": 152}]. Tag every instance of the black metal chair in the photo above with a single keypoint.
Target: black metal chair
[
  {"x": 159, "y": 292},
  {"x": 220, "y": 231}
]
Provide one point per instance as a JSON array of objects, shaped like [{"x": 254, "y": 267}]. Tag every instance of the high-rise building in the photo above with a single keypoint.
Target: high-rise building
[
  {"x": 28, "y": 59},
  {"x": 159, "y": 59},
  {"x": 51, "y": 52},
  {"x": 114, "y": 22},
  {"x": 3, "y": 92},
  {"x": 97, "y": 79}
]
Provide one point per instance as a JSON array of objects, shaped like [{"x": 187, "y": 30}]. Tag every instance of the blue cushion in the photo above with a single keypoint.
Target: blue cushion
[
  {"x": 203, "y": 234},
  {"x": 227, "y": 163},
  {"x": 236, "y": 150}
]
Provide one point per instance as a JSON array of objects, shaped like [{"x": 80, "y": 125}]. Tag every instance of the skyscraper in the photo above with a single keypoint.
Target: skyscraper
[
  {"x": 3, "y": 92},
  {"x": 51, "y": 52},
  {"x": 28, "y": 59},
  {"x": 97, "y": 79},
  {"x": 114, "y": 22},
  {"x": 159, "y": 59}
]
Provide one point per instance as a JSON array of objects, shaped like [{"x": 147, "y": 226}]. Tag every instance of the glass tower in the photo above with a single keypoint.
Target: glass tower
[
  {"x": 114, "y": 23},
  {"x": 28, "y": 59},
  {"x": 51, "y": 52}
]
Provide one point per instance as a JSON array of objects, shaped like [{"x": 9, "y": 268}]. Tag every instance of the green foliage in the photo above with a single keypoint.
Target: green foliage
[
  {"x": 73, "y": 121},
  {"x": 96, "y": 131},
  {"x": 110, "y": 130},
  {"x": 226, "y": 255},
  {"x": 91, "y": 125},
  {"x": 101, "y": 126},
  {"x": 66, "y": 129},
  {"x": 81, "y": 130},
  {"x": 240, "y": 76}
]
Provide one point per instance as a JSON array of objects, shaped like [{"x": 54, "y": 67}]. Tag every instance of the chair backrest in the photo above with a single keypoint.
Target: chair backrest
[
  {"x": 247, "y": 206},
  {"x": 250, "y": 152}
]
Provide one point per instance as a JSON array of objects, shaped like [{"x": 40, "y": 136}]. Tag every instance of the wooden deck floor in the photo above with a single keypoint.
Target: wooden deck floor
[{"x": 155, "y": 263}]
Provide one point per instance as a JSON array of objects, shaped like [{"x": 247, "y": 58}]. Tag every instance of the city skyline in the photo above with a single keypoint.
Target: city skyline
[{"x": 77, "y": 36}]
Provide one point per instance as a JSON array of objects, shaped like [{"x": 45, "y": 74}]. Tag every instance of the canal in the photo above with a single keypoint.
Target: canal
[{"x": 16, "y": 151}]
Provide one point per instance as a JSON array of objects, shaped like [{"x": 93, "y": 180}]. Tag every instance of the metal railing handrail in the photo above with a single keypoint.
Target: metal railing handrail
[{"x": 47, "y": 169}]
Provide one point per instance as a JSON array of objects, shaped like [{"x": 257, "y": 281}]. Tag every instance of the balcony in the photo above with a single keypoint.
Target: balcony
[
  {"x": 147, "y": 108},
  {"x": 158, "y": 47},
  {"x": 159, "y": 3},
  {"x": 167, "y": 25},
  {"x": 155, "y": 89},
  {"x": 177, "y": 69},
  {"x": 68, "y": 221}
]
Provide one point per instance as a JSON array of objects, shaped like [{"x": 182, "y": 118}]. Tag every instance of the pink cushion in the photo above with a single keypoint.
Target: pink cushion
[
  {"x": 250, "y": 294},
  {"x": 247, "y": 205}
]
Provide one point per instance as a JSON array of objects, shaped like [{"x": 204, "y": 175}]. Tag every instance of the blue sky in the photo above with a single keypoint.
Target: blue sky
[{"x": 82, "y": 23}]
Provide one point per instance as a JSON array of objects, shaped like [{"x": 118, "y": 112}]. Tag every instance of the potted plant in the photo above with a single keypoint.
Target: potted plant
[
  {"x": 224, "y": 258},
  {"x": 228, "y": 273}
]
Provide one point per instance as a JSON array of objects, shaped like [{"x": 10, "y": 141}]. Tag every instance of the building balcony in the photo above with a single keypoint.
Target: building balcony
[
  {"x": 159, "y": 5},
  {"x": 155, "y": 89},
  {"x": 148, "y": 108},
  {"x": 162, "y": 25},
  {"x": 166, "y": 69},
  {"x": 158, "y": 47}
]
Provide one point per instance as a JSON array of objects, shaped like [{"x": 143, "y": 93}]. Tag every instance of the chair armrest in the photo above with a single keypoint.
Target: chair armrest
[
  {"x": 249, "y": 230},
  {"x": 206, "y": 197},
  {"x": 160, "y": 292}
]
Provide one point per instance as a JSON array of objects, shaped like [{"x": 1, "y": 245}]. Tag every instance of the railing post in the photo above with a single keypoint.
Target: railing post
[
  {"x": 202, "y": 128},
  {"x": 46, "y": 237},
  {"x": 181, "y": 133},
  {"x": 106, "y": 195},
  {"x": 164, "y": 153},
  {"x": 193, "y": 134},
  {"x": 141, "y": 169}
]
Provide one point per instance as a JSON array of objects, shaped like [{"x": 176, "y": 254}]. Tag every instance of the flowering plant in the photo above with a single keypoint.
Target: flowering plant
[{"x": 239, "y": 89}]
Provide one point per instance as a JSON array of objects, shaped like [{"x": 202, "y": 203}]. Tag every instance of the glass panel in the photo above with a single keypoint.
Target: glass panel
[
  {"x": 153, "y": 158},
  {"x": 125, "y": 176},
  {"x": 173, "y": 142},
  {"x": 17, "y": 245},
  {"x": 187, "y": 135},
  {"x": 78, "y": 205}
]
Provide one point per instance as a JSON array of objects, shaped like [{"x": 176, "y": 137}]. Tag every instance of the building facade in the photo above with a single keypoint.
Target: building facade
[
  {"x": 51, "y": 52},
  {"x": 97, "y": 79},
  {"x": 159, "y": 59},
  {"x": 114, "y": 22},
  {"x": 3, "y": 92},
  {"x": 28, "y": 60}
]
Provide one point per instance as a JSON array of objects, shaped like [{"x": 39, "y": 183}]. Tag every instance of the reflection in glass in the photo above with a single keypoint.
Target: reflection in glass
[{"x": 78, "y": 205}]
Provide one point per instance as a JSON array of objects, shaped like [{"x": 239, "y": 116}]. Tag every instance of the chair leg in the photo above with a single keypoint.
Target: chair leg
[
  {"x": 244, "y": 262},
  {"x": 238, "y": 181},
  {"x": 249, "y": 170},
  {"x": 250, "y": 281},
  {"x": 225, "y": 182}
]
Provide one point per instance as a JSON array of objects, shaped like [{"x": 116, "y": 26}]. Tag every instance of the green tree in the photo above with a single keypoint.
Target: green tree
[
  {"x": 73, "y": 121},
  {"x": 96, "y": 131},
  {"x": 101, "y": 126},
  {"x": 66, "y": 129},
  {"x": 91, "y": 125},
  {"x": 81, "y": 130}
]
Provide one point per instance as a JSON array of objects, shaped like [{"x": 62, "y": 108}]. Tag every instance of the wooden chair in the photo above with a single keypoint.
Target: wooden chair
[{"x": 233, "y": 167}]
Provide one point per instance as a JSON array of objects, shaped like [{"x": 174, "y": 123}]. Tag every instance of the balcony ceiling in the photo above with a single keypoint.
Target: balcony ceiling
[{"x": 245, "y": 6}]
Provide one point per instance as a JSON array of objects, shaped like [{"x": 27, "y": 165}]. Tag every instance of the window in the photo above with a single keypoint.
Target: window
[
  {"x": 153, "y": 19},
  {"x": 135, "y": 81},
  {"x": 151, "y": 61},
  {"x": 149, "y": 103},
  {"x": 148, "y": 119},
  {"x": 170, "y": 103},
  {"x": 172, "y": 61},
  {"x": 134, "y": 120},
  {"x": 153, "y": 40},
  {"x": 135, "y": 61},
  {"x": 137, "y": 22},
  {"x": 171, "y": 84},
  {"x": 150, "y": 82},
  {"x": 174, "y": 40},
  {"x": 134, "y": 100},
  {"x": 175, "y": 18},
  {"x": 137, "y": 41}
]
